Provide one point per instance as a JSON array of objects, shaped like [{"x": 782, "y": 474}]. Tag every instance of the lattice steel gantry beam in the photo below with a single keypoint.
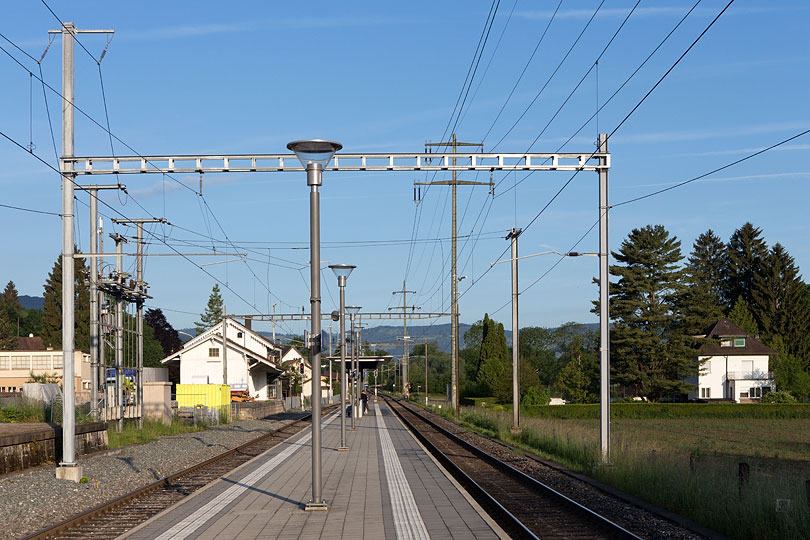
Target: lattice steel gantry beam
[{"x": 212, "y": 163}]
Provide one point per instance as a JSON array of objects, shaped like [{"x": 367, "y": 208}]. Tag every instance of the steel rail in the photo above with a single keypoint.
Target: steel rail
[
  {"x": 512, "y": 521},
  {"x": 86, "y": 516}
]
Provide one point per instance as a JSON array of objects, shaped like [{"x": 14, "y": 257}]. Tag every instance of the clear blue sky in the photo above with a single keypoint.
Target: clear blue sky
[{"x": 248, "y": 77}]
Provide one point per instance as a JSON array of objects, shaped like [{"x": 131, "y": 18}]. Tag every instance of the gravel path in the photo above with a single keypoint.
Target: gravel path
[
  {"x": 635, "y": 519},
  {"x": 34, "y": 498}
]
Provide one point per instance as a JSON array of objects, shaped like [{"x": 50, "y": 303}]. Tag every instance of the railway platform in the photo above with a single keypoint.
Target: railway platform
[{"x": 386, "y": 486}]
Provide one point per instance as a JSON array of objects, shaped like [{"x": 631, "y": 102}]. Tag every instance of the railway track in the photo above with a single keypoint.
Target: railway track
[
  {"x": 522, "y": 505},
  {"x": 114, "y": 518}
]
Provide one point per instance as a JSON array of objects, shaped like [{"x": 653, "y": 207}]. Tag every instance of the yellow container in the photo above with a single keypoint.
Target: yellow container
[{"x": 208, "y": 395}]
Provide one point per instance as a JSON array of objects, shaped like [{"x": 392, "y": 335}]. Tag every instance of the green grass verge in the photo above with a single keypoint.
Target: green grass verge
[
  {"x": 151, "y": 430},
  {"x": 673, "y": 410},
  {"x": 706, "y": 488}
]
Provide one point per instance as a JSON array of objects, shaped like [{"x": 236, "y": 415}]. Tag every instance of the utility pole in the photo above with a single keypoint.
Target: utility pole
[
  {"x": 604, "y": 311},
  {"x": 68, "y": 468},
  {"x": 225, "y": 346},
  {"x": 454, "y": 339},
  {"x": 141, "y": 285},
  {"x": 426, "y": 372},
  {"x": 119, "y": 330},
  {"x": 94, "y": 324},
  {"x": 404, "y": 292},
  {"x": 513, "y": 235}
]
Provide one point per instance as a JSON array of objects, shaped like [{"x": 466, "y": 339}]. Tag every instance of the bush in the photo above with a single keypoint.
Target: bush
[
  {"x": 673, "y": 410},
  {"x": 534, "y": 396},
  {"x": 780, "y": 396}
]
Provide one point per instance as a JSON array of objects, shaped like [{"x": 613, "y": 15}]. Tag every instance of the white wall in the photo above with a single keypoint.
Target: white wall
[{"x": 713, "y": 375}]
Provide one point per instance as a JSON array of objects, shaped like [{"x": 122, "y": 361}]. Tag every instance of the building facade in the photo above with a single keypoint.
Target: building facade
[
  {"x": 253, "y": 362},
  {"x": 735, "y": 366}
]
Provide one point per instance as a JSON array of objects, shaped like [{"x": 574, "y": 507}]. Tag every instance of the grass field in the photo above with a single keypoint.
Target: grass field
[{"x": 685, "y": 460}]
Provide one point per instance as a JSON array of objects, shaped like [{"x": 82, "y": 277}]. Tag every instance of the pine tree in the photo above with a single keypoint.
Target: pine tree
[
  {"x": 52, "y": 306},
  {"x": 213, "y": 311},
  {"x": 650, "y": 353},
  {"x": 164, "y": 333},
  {"x": 8, "y": 331},
  {"x": 702, "y": 300},
  {"x": 14, "y": 314},
  {"x": 745, "y": 254},
  {"x": 781, "y": 304},
  {"x": 10, "y": 297},
  {"x": 742, "y": 317},
  {"x": 495, "y": 367}
]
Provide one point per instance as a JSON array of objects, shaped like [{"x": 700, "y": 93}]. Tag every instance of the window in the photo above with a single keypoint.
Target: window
[
  {"x": 755, "y": 392},
  {"x": 41, "y": 362},
  {"x": 706, "y": 392},
  {"x": 57, "y": 361},
  {"x": 20, "y": 362},
  {"x": 4, "y": 362},
  {"x": 739, "y": 342},
  {"x": 743, "y": 394},
  {"x": 239, "y": 334},
  {"x": 213, "y": 352},
  {"x": 725, "y": 343}
]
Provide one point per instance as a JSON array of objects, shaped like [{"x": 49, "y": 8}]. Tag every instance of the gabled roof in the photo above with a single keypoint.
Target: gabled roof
[
  {"x": 725, "y": 329},
  {"x": 215, "y": 333},
  {"x": 32, "y": 343}
]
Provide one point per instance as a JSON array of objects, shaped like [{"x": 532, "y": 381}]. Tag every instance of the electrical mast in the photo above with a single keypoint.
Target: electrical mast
[{"x": 454, "y": 182}]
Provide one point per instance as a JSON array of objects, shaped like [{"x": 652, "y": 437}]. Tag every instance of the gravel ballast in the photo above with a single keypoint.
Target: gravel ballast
[{"x": 34, "y": 498}]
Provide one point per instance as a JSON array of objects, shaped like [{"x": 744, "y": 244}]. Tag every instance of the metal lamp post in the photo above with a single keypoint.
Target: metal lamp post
[
  {"x": 342, "y": 271},
  {"x": 352, "y": 311},
  {"x": 314, "y": 155},
  {"x": 513, "y": 236}
]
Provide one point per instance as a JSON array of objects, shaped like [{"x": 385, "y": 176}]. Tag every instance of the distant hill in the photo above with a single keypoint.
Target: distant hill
[
  {"x": 385, "y": 337},
  {"x": 31, "y": 302}
]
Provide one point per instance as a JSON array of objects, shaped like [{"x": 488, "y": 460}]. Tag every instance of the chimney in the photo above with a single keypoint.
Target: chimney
[{"x": 249, "y": 323}]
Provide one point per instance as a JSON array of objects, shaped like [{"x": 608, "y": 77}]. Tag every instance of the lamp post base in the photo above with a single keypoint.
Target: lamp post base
[
  {"x": 316, "y": 507},
  {"x": 515, "y": 430},
  {"x": 71, "y": 473},
  {"x": 343, "y": 448}
]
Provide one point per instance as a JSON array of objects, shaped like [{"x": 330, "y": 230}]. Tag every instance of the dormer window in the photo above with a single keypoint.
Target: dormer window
[
  {"x": 739, "y": 342},
  {"x": 725, "y": 343}
]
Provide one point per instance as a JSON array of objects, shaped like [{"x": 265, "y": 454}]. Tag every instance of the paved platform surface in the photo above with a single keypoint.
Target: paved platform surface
[{"x": 385, "y": 486}]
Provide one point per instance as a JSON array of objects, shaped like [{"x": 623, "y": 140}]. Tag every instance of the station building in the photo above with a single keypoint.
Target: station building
[{"x": 253, "y": 362}]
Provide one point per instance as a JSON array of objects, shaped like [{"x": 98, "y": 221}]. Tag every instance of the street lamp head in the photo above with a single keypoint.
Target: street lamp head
[
  {"x": 335, "y": 316},
  {"x": 314, "y": 151},
  {"x": 342, "y": 270},
  {"x": 352, "y": 310}
]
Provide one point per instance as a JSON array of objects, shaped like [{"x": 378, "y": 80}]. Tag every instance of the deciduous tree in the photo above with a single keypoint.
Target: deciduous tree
[{"x": 164, "y": 333}]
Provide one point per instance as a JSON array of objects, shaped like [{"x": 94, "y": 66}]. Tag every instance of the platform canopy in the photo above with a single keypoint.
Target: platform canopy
[{"x": 365, "y": 362}]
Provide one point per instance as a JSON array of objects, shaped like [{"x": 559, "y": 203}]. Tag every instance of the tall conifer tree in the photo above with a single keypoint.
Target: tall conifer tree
[
  {"x": 52, "y": 306},
  {"x": 741, "y": 315},
  {"x": 495, "y": 368},
  {"x": 650, "y": 354},
  {"x": 702, "y": 300},
  {"x": 213, "y": 311},
  {"x": 781, "y": 303},
  {"x": 745, "y": 254}
]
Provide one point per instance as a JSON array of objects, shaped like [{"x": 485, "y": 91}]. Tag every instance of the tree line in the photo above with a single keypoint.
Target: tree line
[
  {"x": 660, "y": 301},
  {"x": 160, "y": 338}
]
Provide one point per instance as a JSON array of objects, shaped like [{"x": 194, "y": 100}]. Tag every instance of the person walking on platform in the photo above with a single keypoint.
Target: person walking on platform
[{"x": 364, "y": 399}]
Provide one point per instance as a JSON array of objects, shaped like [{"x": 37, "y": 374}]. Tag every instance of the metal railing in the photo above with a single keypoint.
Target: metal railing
[{"x": 750, "y": 375}]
